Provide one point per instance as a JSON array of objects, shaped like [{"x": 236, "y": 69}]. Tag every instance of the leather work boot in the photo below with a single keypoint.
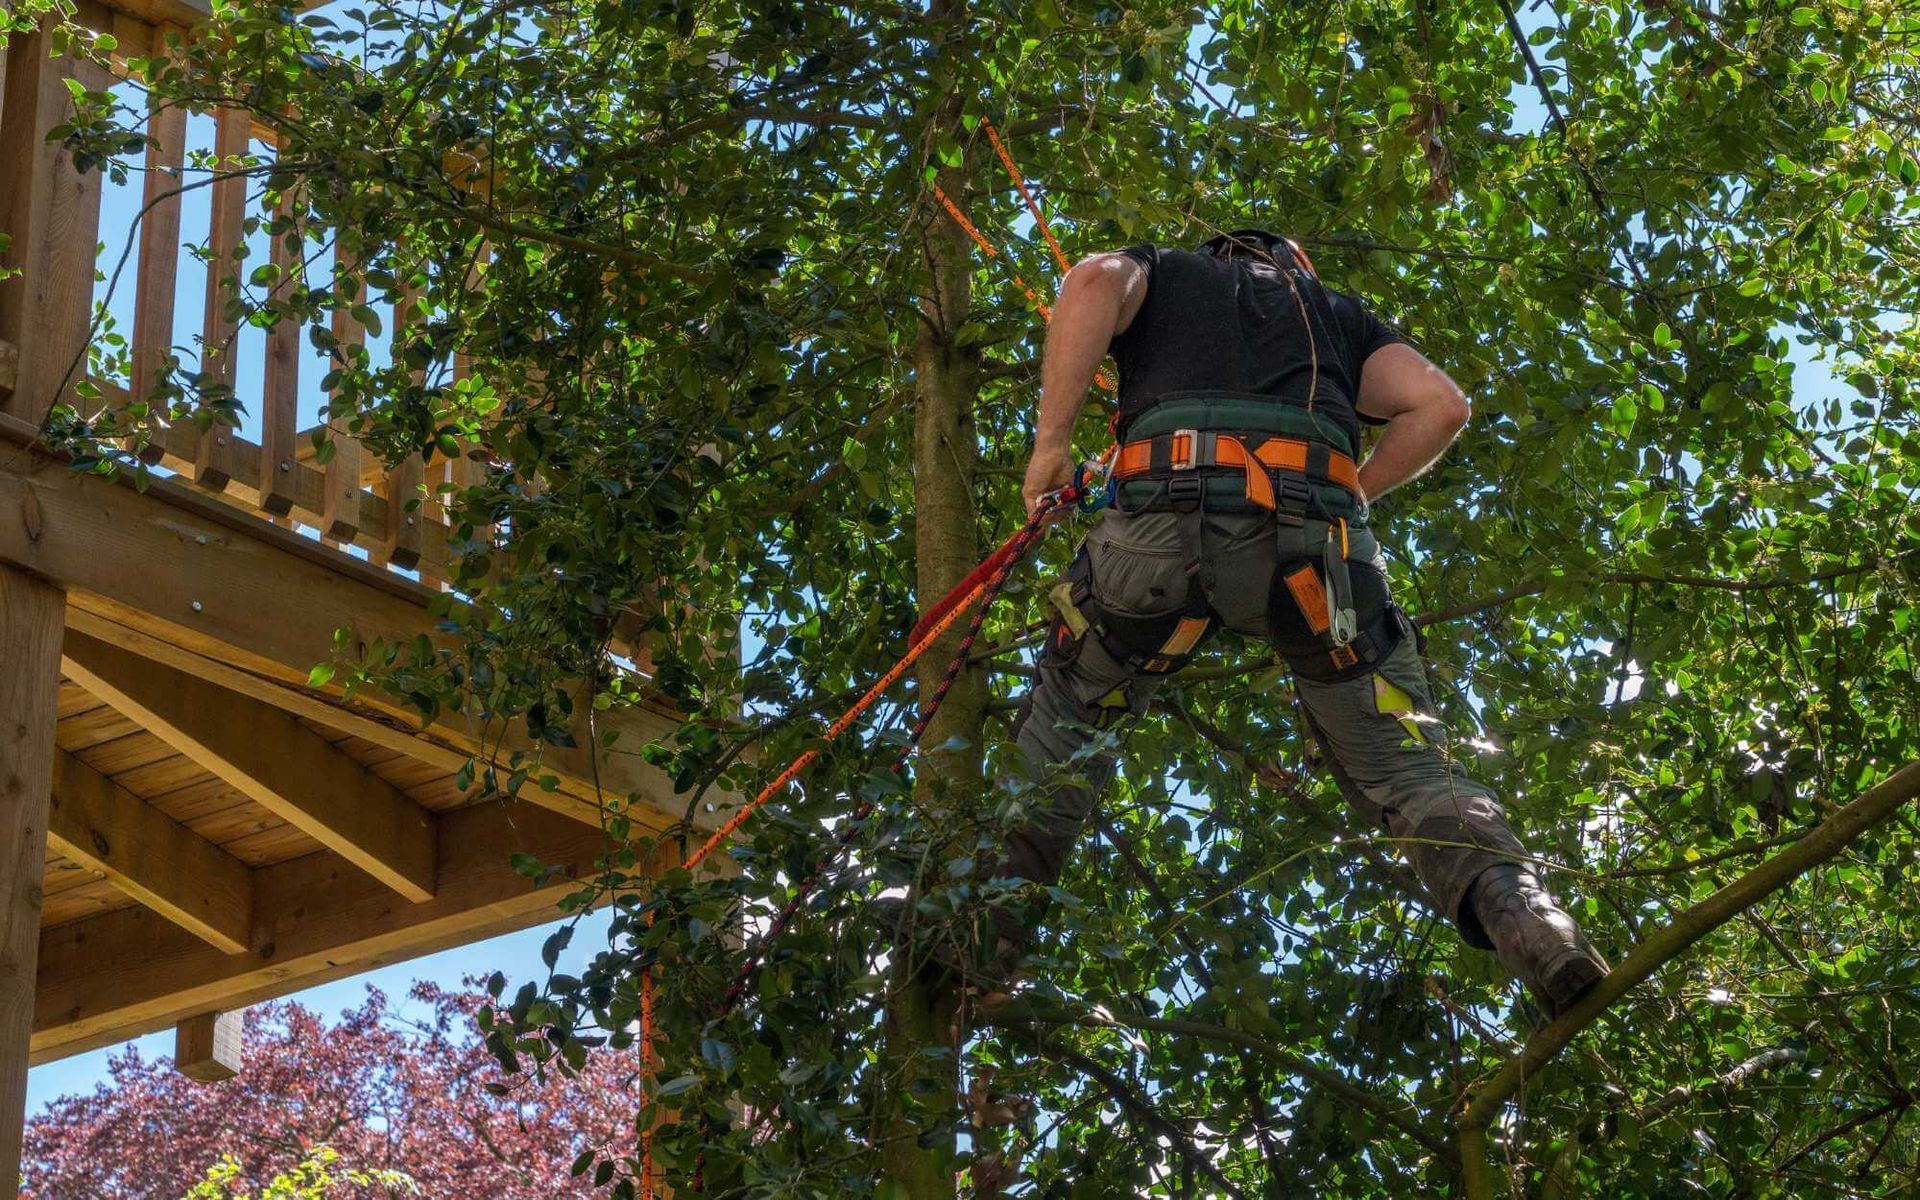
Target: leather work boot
[{"x": 1534, "y": 937}]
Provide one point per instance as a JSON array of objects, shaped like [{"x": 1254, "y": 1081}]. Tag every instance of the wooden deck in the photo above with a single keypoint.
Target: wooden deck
[{"x": 188, "y": 827}]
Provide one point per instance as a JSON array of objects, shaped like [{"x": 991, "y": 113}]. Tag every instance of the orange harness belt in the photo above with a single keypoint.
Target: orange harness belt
[{"x": 1188, "y": 449}]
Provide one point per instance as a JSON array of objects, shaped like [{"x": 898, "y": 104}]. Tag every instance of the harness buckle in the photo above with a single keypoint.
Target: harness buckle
[
  {"x": 1187, "y": 440},
  {"x": 1291, "y": 493},
  {"x": 1185, "y": 492}
]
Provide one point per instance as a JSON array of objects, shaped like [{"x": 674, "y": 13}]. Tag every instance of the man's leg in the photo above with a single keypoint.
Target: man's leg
[
  {"x": 1058, "y": 771},
  {"x": 1392, "y": 757},
  {"x": 1056, "y": 756}
]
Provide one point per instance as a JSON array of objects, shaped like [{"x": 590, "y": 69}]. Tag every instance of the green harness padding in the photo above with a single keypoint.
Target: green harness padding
[
  {"x": 1238, "y": 410},
  {"x": 1226, "y": 491}
]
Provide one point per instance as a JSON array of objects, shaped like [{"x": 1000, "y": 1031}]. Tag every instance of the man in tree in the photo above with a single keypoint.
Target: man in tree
[{"x": 1237, "y": 503}]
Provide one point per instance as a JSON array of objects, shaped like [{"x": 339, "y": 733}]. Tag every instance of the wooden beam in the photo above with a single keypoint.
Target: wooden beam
[
  {"x": 270, "y": 758},
  {"x": 51, "y": 213},
  {"x": 210, "y": 1047},
  {"x": 315, "y": 919},
  {"x": 181, "y": 568},
  {"x": 30, "y": 628},
  {"x": 320, "y": 707},
  {"x": 159, "y": 862}
]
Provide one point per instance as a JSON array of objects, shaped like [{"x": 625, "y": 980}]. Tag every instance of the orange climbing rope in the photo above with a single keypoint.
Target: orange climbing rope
[
  {"x": 986, "y": 248},
  {"x": 1039, "y": 218}
]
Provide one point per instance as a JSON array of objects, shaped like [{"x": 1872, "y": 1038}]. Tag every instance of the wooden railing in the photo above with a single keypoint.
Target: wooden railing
[{"x": 53, "y": 215}]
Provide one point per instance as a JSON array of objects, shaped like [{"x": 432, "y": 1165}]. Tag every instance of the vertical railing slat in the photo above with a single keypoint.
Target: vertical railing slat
[
  {"x": 221, "y": 333},
  {"x": 159, "y": 264},
  {"x": 51, "y": 214},
  {"x": 279, "y": 411},
  {"x": 403, "y": 540},
  {"x": 341, "y": 496},
  {"x": 469, "y": 470}
]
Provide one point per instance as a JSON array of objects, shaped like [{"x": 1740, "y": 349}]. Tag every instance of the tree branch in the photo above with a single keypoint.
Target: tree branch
[
  {"x": 1734, "y": 1077},
  {"x": 1131, "y": 1101},
  {"x": 1820, "y": 844},
  {"x": 1026, "y": 1011},
  {"x": 1710, "y": 582}
]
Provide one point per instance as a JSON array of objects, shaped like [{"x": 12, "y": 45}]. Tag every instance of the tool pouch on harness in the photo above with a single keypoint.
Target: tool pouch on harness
[{"x": 1142, "y": 602}]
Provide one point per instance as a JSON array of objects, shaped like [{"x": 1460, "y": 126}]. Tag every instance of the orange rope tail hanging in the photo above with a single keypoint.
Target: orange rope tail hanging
[
  {"x": 1040, "y": 218},
  {"x": 840, "y": 725}
]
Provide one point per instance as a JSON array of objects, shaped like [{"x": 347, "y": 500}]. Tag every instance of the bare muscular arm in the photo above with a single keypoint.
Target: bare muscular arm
[
  {"x": 1098, "y": 299},
  {"x": 1423, "y": 410}
]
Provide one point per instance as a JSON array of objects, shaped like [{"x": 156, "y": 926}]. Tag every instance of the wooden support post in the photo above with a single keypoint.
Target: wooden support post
[
  {"x": 279, "y": 415},
  {"x": 159, "y": 263},
  {"x": 470, "y": 469},
  {"x": 51, "y": 213},
  {"x": 210, "y": 1047},
  {"x": 402, "y": 547},
  {"x": 32, "y": 615},
  {"x": 220, "y": 335},
  {"x": 340, "y": 516}
]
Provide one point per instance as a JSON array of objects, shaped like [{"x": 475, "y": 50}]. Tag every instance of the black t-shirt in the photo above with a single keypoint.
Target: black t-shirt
[{"x": 1237, "y": 326}]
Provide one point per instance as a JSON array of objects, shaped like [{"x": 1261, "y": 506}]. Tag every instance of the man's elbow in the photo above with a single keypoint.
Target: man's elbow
[{"x": 1454, "y": 409}]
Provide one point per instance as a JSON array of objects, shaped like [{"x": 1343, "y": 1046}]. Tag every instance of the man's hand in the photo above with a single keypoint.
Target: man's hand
[{"x": 1047, "y": 471}]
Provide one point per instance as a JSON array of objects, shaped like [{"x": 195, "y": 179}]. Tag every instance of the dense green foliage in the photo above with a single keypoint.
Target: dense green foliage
[{"x": 1669, "y": 572}]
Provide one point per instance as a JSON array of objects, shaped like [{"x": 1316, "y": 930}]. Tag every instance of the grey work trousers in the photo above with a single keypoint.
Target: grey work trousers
[{"x": 1386, "y": 749}]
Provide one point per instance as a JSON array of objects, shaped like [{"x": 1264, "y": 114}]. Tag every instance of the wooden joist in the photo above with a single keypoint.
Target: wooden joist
[
  {"x": 315, "y": 919},
  {"x": 162, "y": 864},
  {"x": 270, "y": 758},
  {"x": 391, "y": 733}
]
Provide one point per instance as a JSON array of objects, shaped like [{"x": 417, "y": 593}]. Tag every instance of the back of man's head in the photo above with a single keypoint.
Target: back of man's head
[{"x": 1246, "y": 243}]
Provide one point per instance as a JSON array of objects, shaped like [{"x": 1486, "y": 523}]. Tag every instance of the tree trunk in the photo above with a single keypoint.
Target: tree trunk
[{"x": 923, "y": 1074}]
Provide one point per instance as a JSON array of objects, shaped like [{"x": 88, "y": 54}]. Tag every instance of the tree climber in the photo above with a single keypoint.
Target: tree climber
[{"x": 1243, "y": 385}]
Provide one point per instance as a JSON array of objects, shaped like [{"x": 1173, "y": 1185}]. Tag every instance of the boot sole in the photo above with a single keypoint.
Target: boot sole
[{"x": 1572, "y": 980}]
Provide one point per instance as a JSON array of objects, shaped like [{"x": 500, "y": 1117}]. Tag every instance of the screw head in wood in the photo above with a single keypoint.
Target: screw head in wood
[{"x": 196, "y": 606}]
